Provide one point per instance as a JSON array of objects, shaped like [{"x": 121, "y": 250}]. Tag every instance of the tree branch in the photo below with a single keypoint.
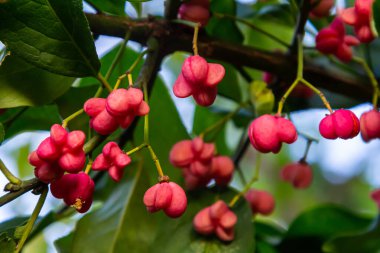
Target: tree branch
[{"x": 178, "y": 39}]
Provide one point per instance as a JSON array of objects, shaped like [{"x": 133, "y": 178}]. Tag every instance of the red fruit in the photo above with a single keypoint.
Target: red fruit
[
  {"x": 360, "y": 16},
  {"x": 333, "y": 40},
  {"x": 340, "y": 124},
  {"x": 375, "y": 195},
  {"x": 75, "y": 189},
  {"x": 261, "y": 202},
  {"x": 267, "y": 133},
  {"x": 104, "y": 123},
  {"x": 72, "y": 162},
  {"x": 299, "y": 174},
  {"x": 216, "y": 219},
  {"x": 370, "y": 125},
  {"x": 167, "y": 196},
  {"x": 322, "y": 9},
  {"x": 48, "y": 151},
  {"x": 199, "y": 79},
  {"x": 222, "y": 170},
  {"x": 112, "y": 159},
  {"x": 58, "y": 135},
  {"x": 48, "y": 172},
  {"x": 195, "y": 11}
]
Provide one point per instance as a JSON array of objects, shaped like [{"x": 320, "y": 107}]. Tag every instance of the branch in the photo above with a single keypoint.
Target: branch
[
  {"x": 179, "y": 39},
  {"x": 26, "y": 186}
]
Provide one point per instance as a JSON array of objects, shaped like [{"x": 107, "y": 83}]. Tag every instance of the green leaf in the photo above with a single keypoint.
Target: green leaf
[
  {"x": 367, "y": 242},
  {"x": 311, "y": 229},
  {"x": 63, "y": 244},
  {"x": 375, "y": 22},
  {"x": 51, "y": 34},
  {"x": 110, "y": 6},
  {"x": 7, "y": 244},
  {"x": 34, "y": 118},
  {"x": 11, "y": 225},
  {"x": 122, "y": 224},
  {"x": 22, "y": 84},
  {"x": 224, "y": 29},
  {"x": 229, "y": 86},
  {"x": 2, "y": 132},
  {"x": 177, "y": 235}
]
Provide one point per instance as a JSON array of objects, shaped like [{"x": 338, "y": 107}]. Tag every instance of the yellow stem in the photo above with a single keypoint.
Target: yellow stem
[
  {"x": 156, "y": 161},
  {"x": 195, "y": 39},
  {"x": 136, "y": 149},
  {"x": 71, "y": 117},
  {"x": 104, "y": 82},
  {"x": 319, "y": 93}
]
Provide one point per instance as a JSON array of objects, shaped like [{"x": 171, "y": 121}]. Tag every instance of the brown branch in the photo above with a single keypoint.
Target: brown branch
[{"x": 179, "y": 39}]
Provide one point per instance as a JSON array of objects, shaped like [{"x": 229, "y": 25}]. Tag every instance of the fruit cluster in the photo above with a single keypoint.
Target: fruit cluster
[
  {"x": 261, "y": 202},
  {"x": 299, "y": 174},
  {"x": 199, "y": 163}
]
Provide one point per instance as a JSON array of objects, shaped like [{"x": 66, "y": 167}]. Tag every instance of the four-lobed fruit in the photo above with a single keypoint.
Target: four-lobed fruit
[
  {"x": 299, "y": 174},
  {"x": 166, "y": 196},
  {"x": 199, "y": 79},
  {"x": 76, "y": 190},
  {"x": 197, "y": 11},
  {"x": 216, "y": 219},
  {"x": 370, "y": 125},
  {"x": 267, "y": 133},
  {"x": 261, "y": 202},
  {"x": 112, "y": 159},
  {"x": 340, "y": 124}
]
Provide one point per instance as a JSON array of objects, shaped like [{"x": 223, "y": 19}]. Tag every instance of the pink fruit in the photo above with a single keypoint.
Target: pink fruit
[
  {"x": 261, "y": 202},
  {"x": 370, "y": 125},
  {"x": 199, "y": 79},
  {"x": 195, "y": 11},
  {"x": 222, "y": 169},
  {"x": 375, "y": 195},
  {"x": 216, "y": 219},
  {"x": 322, "y": 8},
  {"x": 299, "y": 174},
  {"x": 166, "y": 196},
  {"x": 333, "y": 40},
  {"x": 267, "y": 133},
  {"x": 340, "y": 124},
  {"x": 112, "y": 159}
]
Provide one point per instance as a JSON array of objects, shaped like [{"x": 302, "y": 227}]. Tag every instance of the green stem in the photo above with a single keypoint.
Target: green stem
[
  {"x": 252, "y": 26},
  {"x": 136, "y": 149},
  {"x": 254, "y": 179},
  {"x": 308, "y": 145},
  {"x": 32, "y": 219},
  {"x": 146, "y": 117},
  {"x": 195, "y": 39},
  {"x": 285, "y": 96},
  {"x": 372, "y": 78},
  {"x": 104, "y": 82},
  {"x": 308, "y": 137},
  {"x": 71, "y": 117},
  {"x": 156, "y": 161},
  {"x": 26, "y": 186},
  {"x": 136, "y": 62},
  {"x": 12, "y": 178},
  {"x": 119, "y": 54},
  {"x": 319, "y": 93}
]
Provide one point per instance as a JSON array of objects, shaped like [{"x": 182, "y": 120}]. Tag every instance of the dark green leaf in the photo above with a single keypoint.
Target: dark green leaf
[
  {"x": 22, "y": 84},
  {"x": 224, "y": 29},
  {"x": 110, "y": 6},
  {"x": 63, "y": 244},
  {"x": 51, "y": 34},
  {"x": 2, "y": 133},
  {"x": 376, "y": 16},
  {"x": 264, "y": 247},
  {"x": 7, "y": 244},
  {"x": 229, "y": 87},
  {"x": 178, "y": 235},
  {"x": 367, "y": 242},
  {"x": 311, "y": 229},
  {"x": 10, "y": 225}
]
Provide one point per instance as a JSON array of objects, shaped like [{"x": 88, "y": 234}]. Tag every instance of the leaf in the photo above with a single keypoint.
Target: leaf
[
  {"x": 50, "y": 34},
  {"x": 22, "y": 84},
  {"x": 7, "y": 244},
  {"x": 2, "y": 132},
  {"x": 311, "y": 229},
  {"x": 375, "y": 22},
  {"x": 9, "y": 226},
  {"x": 177, "y": 235},
  {"x": 367, "y": 242},
  {"x": 224, "y": 29},
  {"x": 34, "y": 118},
  {"x": 110, "y": 6},
  {"x": 63, "y": 244},
  {"x": 122, "y": 224}
]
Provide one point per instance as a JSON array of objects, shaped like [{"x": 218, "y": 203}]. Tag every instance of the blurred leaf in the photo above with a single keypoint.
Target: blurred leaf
[
  {"x": 280, "y": 13},
  {"x": 37, "y": 245},
  {"x": 265, "y": 229},
  {"x": 7, "y": 244},
  {"x": 204, "y": 118},
  {"x": 261, "y": 97},
  {"x": 138, "y": 7},
  {"x": 63, "y": 244},
  {"x": 264, "y": 247},
  {"x": 110, "y": 6},
  {"x": 34, "y": 118},
  {"x": 125, "y": 62},
  {"x": 367, "y": 242},
  {"x": 52, "y": 34},
  {"x": 180, "y": 236},
  {"x": 11, "y": 225},
  {"x": 224, "y": 29},
  {"x": 375, "y": 24},
  {"x": 311, "y": 229},
  {"x": 2, "y": 132},
  {"x": 22, "y": 84},
  {"x": 166, "y": 129},
  {"x": 21, "y": 154},
  {"x": 125, "y": 225}
]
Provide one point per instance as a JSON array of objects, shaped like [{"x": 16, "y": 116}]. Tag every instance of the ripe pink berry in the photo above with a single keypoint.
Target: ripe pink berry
[
  {"x": 340, "y": 124},
  {"x": 168, "y": 196},
  {"x": 370, "y": 125},
  {"x": 195, "y": 11},
  {"x": 322, "y": 9},
  {"x": 267, "y": 133},
  {"x": 76, "y": 190},
  {"x": 48, "y": 172},
  {"x": 199, "y": 79},
  {"x": 100, "y": 120},
  {"x": 261, "y": 202},
  {"x": 299, "y": 174},
  {"x": 375, "y": 195},
  {"x": 112, "y": 159},
  {"x": 216, "y": 219},
  {"x": 222, "y": 169}
]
